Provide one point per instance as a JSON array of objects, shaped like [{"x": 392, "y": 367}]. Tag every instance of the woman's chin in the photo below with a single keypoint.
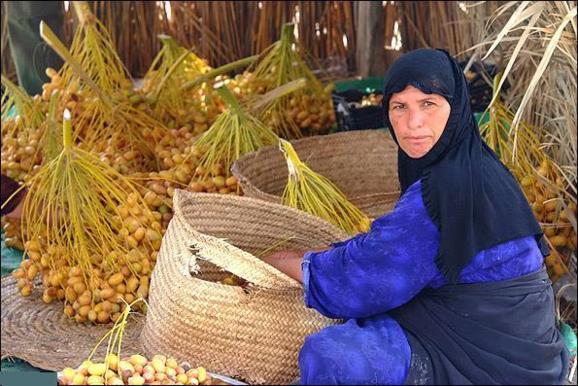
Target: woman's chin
[{"x": 416, "y": 152}]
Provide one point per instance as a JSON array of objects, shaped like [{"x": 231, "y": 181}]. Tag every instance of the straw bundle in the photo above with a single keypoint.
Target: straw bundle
[
  {"x": 448, "y": 25},
  {"x": 134, "y": 27},
  {"x": 327, "y": 29},
  {"x": 219, "y": 35},
  {"x": 7, "y": 64}
]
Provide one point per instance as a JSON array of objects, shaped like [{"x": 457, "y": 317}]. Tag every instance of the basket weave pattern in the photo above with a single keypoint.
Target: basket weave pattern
[{"x": 252, "y": 333}]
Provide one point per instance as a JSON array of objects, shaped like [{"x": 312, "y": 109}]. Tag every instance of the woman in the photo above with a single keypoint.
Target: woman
[{"x": 450, "y": 287}]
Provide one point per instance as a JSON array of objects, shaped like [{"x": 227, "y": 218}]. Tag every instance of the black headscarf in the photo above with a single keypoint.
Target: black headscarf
[{"x": 470, "y": 195}]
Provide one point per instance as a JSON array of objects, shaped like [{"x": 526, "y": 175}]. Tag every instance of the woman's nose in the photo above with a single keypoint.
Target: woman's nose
[{"x": 415, "y": 119}]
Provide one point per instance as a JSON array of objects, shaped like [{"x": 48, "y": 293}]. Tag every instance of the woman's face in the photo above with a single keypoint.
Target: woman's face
[{"x": 418, "y": 119}]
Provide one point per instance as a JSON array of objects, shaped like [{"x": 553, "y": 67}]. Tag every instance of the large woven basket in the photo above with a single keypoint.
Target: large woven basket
[
  {"x": 251, "y": 333},
  {"x": 363, "y": 164}
]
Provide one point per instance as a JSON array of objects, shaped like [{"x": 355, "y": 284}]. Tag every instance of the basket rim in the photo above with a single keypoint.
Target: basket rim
[
  {"x": 246, "y": 182},
  {"x": 243, "y": 259}
]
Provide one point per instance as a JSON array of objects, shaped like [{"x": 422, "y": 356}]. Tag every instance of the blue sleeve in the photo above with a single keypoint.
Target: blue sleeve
[
  {"x": 375, "y": 271},
  {"x": 340, "y": 243}
]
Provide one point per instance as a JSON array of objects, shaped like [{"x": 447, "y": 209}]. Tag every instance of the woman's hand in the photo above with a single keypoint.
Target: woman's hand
[
  {"x": 289, "y": 262},
  {"x": 16, "y": 213}
]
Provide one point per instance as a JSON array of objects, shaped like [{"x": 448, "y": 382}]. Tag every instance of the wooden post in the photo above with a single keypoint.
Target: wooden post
[{"x": 370, "y": 38}]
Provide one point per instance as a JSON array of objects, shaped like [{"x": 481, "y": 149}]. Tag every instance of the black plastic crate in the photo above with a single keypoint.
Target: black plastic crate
[
  {"x": 351, "y": 117},
  {"x": 479, "y": 78}
]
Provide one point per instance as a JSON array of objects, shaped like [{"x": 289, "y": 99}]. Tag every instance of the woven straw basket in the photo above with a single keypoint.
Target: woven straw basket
[
  {"x": 363, "y": 164},
  {"x": 252, "y": 333}
]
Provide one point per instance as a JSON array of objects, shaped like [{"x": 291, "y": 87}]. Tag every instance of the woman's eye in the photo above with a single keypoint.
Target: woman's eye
[
  {"x": 428, "y": 104},
  {"x": 398, "y": 107}
]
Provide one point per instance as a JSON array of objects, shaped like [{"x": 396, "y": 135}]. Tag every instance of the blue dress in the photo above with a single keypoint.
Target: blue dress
[{"x": 363, "y": 278}]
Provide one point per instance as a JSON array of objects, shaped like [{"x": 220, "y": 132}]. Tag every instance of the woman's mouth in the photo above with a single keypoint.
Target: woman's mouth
[{"x": 418, "y": 139}]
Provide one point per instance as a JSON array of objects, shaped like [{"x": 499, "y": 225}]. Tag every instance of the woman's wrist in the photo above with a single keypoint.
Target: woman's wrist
[{"x": 288, "y": 262}]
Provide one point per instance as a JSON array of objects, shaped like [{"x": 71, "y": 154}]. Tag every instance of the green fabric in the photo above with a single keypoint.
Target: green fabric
[
  {"x": 11, "y": 258},
  {"x": 30, "y": 53},
  {"x": 569, "y": 338},
  {"x": 17, "y": 365}
]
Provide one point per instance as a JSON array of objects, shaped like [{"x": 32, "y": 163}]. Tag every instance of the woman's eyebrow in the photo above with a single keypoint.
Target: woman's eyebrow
[{"x": 431, "y": 97}]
